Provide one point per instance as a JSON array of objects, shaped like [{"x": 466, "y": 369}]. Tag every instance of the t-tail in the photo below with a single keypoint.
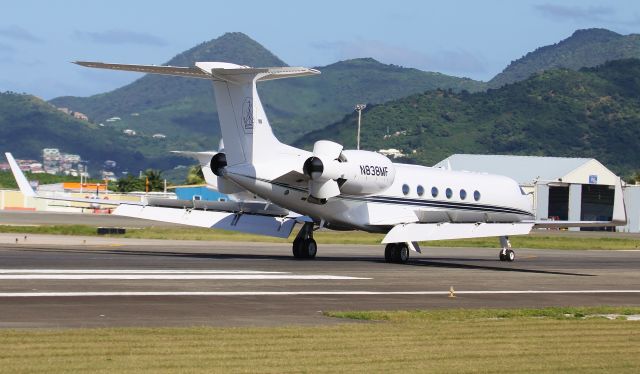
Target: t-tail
[{"x": 243, "y": 121}]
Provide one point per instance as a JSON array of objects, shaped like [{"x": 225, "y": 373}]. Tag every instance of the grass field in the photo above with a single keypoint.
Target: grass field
[
  {"x": 535, "y": 241},
  {"x": 557, "y": 340}
]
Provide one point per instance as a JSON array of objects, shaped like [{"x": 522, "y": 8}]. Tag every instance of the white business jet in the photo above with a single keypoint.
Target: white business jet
[{"x": 330, "y": 187}]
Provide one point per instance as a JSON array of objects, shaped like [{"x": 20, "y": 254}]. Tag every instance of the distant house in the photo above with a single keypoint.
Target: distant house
[
  {"x": 113, "y": 119},
  {"x": 108, "y": 175},
  {"x": 392, "y": 152},
  {"x": 129, "y": 132},
  {"x": 159, "y": 136},
  {"x": 80, "y": 116}
]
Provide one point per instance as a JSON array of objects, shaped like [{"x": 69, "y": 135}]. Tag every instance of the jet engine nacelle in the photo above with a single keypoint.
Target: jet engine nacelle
[
  {"x": 367, "y": 173},
  {"x": 333, "y": 171},
  {"x": 217, "y": 165}
]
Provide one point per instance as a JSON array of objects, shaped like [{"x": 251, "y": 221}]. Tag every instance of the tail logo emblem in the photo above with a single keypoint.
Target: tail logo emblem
[{"x": 247, "y": 115}]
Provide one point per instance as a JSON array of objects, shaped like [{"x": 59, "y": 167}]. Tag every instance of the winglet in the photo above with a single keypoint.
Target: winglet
[{"x": 22, "y": 181}]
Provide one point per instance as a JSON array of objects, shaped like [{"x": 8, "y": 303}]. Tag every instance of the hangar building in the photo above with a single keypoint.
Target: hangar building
[{"x": 574, "y": 189}]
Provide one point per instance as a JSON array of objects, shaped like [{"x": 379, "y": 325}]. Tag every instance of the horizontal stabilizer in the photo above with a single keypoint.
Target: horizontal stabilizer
[
  {"x": 208, "y": 70},
  {"x": 203, "y": 157},
  {"x": 417, "y": 232},
  {"x": 151, "y": 69}
]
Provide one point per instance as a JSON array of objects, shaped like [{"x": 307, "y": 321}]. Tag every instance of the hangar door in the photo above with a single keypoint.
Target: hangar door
[
  {"x": 597, "y": 202},
  {"x": 559, "y": 202}
]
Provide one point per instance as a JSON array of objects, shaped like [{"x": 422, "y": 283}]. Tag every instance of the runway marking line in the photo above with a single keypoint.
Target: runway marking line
[
  {"x": 174, "y": 277},
  {"x": 302, "y": 293},
  {"x": 134, "y": 271},
  {"x": 169, "y": 274}
]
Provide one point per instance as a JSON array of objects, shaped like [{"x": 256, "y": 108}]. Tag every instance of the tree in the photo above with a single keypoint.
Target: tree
[
  {"x": 153, "y": 179},
  {"x": 195, "y": 175},
  {"x": 129, "y": 183}
]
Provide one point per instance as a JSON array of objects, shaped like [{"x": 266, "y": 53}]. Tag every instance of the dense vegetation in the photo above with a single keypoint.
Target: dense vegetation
[
  {"x": 149, "y": 181},
  {"x": 184, "y": 108},
  {"x": 585, "y": 48},
  {"x": 560, "y": 112},
  {"x": 594, "y": 112},
  {"x": 29, "y": 124}
]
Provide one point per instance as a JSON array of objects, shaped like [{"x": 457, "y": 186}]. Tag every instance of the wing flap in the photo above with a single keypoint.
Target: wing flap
[
  {"x": 417, "y": 232},
  {"x": 279, "y": 227}
]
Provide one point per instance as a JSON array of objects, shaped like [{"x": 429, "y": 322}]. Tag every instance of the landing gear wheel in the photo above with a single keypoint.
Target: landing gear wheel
[
  {"x": 389, "y": 252},
  {"x": 510, "y": 256},
  {"x": 506, "y": 254},
  {"x": 304, "y": 247},
  {"x": 310, "y": 248},
  {"x": 401, "y": 253},
  {"x": 297, "y": 248}
]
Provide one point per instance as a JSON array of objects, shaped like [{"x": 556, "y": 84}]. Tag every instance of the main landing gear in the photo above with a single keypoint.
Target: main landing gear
[
  {"x": 304, "y": 247},
  {"x": 506, "y": 254},
  {"x": 396, "y": 252}
]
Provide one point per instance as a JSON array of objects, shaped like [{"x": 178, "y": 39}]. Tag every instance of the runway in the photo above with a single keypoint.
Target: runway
[{"x": 56, "y": 281}]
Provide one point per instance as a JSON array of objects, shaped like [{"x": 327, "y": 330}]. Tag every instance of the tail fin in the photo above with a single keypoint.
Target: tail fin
[{"x": 244, "y": 124}]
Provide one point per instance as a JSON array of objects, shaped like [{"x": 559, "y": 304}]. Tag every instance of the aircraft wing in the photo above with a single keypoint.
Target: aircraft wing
[
  {"x": 253, "y": 217},
  {"x": 417, "y": 232}
]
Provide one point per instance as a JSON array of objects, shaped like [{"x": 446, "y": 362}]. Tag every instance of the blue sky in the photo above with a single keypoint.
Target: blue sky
[{"x": 476, "y": 39}]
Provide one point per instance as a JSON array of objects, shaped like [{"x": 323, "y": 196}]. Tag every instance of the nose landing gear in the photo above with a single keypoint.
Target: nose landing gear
[{"x": 506, "y": 254}]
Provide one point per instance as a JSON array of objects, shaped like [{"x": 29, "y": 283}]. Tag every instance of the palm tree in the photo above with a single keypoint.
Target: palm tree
[
  {"x": 129, "y": 183},
  {"x": 153, "y": 179},
  {"x": 195, "y": 175}
]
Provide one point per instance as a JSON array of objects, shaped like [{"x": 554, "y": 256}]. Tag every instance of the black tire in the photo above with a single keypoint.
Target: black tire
[
  {"x": 389, "y": 252},
  {"x": 502, "y": 256},
  {"x": 296, "y": 248},
  {"x": 511, "y": 255},
  {"x": 401, "y": 253},
  {"x": 309, "y": 248}
]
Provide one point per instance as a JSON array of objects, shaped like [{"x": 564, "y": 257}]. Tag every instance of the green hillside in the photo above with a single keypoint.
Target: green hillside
[
  {"x": 29, "y": 124},
  {"x": 593, "y": 112},
  {"x": 183, "y": 109},
  {"x": 297, "y": 106},
  {"x": 585, "y": 48}
]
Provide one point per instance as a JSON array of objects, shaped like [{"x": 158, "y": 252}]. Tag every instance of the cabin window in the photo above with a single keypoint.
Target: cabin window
[
  {"x": 420, "y": 190},
  {"x": 463, "y": 194},
  {"x": 476, "y": 195},
  {"x": 405, "y": 189},
  {"x": 434, "y": 191},
  {"x": 449, "y": 193}
]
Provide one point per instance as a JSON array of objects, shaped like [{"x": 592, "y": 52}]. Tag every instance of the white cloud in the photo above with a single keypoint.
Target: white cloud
[
  {"x": 120, "y": 36},
  {"x": 18, "y": 33},
  {"x": 603, "y": 14}
]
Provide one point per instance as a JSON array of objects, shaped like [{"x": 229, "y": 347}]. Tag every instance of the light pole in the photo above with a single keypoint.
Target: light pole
[{"x": 359, "y": 108}]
